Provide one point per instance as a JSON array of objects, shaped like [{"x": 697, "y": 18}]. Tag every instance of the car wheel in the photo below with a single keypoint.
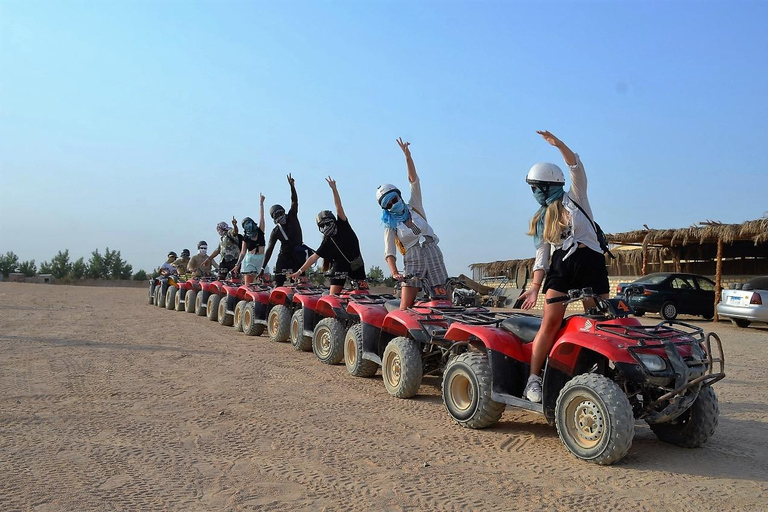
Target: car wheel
[
  {"x": 668, "y": 310},
  {"x": 639, "y": 313},
  {"x": 740, "y": 322}
]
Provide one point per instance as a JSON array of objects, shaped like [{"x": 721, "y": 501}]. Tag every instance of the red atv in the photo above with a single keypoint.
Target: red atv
[
  {"x": 304, "y": 317},
  {"x": 158, "y": 288},
  {"x": 282, "y": 308},
  {"x": 184, "y": 299},
  {"x": 234, "y": 294},
  {"x": 207, "y": 300},
  {"x": 406, "y": 344},
  {"x": 333, "y": 320},
  {"x": 605, "y": 371},
  {"x": 250, "y": 312}
]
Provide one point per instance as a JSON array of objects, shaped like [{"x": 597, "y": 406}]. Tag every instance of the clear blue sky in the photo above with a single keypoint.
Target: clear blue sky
[{"x": 140, "y": 125}]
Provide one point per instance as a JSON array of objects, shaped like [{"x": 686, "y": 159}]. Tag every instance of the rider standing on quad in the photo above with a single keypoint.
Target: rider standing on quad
[
  {"x": 564, "y": 223},
  {"x": 229, "y": 247},
  {"x": 406, "y": 228},
  {"x": 293, "y": 253},
  {"x": 181, "y": 263},
  {"x": 199, "y": 265},
  {"x": 252, "y": 249},
  {"x": 340, "y": 248}
]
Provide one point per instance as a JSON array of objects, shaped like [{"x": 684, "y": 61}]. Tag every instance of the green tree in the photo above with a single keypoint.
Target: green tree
[
  {"x": 96, "y": 266},
  {"x": 390, "y": 282},
  {"x": 79, "y": 269},
  {"x": 28, "y": 268},
  {"x": 8, "y": 263},
  {"x": 60, "y": 265},
  {"x": 140, "y": 276},
  {"x": 376, "y": 275}
]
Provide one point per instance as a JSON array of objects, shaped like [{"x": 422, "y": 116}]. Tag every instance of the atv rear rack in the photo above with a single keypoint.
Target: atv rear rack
[{"x": 650, "y": 336}]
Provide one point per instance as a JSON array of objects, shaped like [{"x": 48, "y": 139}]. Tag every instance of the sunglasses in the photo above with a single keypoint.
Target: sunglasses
[
  {"x": 203, "y": 247},
  {"x": 390, "y": 203}
]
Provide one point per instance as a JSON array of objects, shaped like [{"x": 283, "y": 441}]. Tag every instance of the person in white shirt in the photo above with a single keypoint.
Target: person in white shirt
[
  {"x": 567, "y": 250},
  {"x": 167, "y": 268},
  {"x": 406, "y": 228}
]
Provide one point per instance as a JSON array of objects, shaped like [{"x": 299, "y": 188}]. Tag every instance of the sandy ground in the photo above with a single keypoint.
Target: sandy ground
[{"x": 107, "y": 403}]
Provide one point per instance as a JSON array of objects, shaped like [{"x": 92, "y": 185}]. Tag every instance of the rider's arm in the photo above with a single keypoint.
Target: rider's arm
[
  {"x": 243, "y": 250},
  {"x": 339, "y": 208},
  {"x": 390, "y": 250},
  {"x": 310, "y": 261},
  {"x": 261, "y": 214},
  {"x": 270, "y": 248},
  {"x": 294, "y": 200}
]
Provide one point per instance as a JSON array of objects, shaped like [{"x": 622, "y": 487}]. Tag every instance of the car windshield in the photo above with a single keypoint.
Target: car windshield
[{"x": 652, "y": 279}]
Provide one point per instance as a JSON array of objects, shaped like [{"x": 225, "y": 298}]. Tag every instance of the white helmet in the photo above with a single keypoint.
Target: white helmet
[
  {"x": 384, "y": 190},
  {"x": 545, "y": 173}
]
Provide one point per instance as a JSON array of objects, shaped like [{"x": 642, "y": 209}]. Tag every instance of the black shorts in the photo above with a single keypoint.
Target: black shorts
[
  {"x": 225, "y": 267},
  {"x": 584, "y": 268},
  {"x": 356, "y": 275}
]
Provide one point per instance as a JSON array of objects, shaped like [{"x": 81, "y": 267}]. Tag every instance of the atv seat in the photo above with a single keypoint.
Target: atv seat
[
  {"x": 524, "y": 327},
  {"x": 392, "y": 305}
]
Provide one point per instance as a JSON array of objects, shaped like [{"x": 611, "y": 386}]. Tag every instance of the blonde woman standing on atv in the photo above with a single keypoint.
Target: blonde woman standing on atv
[
  {"x": 568, "y": 252},
  {"x": 407, "y": 230}
]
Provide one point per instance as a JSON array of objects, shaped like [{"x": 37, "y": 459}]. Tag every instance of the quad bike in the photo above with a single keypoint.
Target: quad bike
[
  {"x": 281, "y": 307},
  {"x": 158, "y": 287},
  {"x": 250, "y": 313},
  {"x": 605, "y": 371},
  {"x": 207, "y": 299},
  {"x": 176, "y": 292},
  {"x": 304, "y": 317},
  {"x": 232, "y": 306},
  {"x": 332, "y": 321},
  {"x": 219, "y": 290},
  {"x": 407, "y": 344},
  {"x": 188, "y": 292}
]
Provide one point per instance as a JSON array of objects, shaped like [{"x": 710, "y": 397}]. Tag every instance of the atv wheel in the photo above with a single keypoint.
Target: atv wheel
[
  {"x": 740, "y": 322},
  {"x": 224, "y": 318},
  {"x": 151, "y": 299},
  {"x": 279, "y": 323},
  {"x": 189, "y": 301},
  {"x": 177, "y": 305},
  {"x": 668, "y": 310},
  {"x": 695, "y": 426},
  {"x": 328, "y": 341},
  {"x": 353, "y": 354},
  {"x": 170, "y": 298},
  {"x": 401, "y": 367},
  {"x": 238, "y": 320},
  {"x": 594, "y": 419},
  {"x": 467, "y": 386},
  {"x": 200, "y": 304},
  {"x": 250, "y": 327},
  {"x": 212, "y": 308},
  {"x": 159, "y": 297},
  {"x": 298, "y": 340}
]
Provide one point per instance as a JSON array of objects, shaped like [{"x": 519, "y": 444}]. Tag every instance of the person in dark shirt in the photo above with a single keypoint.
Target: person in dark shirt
[
  {"x": 252, "y": 249},
  {"x": 293, "y": 253},
  {"x": 340, "y": 248}
]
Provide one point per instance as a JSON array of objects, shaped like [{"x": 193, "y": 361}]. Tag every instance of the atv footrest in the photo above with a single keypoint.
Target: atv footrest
[{"x": 517, "y": 402}]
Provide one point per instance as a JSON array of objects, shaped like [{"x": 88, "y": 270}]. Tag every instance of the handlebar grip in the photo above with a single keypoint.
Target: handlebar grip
[{"x": 555, "y": 300}]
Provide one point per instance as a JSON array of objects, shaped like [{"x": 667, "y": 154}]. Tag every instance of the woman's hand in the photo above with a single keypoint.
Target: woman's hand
[
  {"x": 397, "y": 275},
  {"x": 236, "y": 270},
  {"x": 404, "y": 147},
  {"x": 261, "y": 198},
  {"x": 291, "y": 181},
  {"x": 234, "y": 221},
  {"x": 331, "y": 182},
  {"x": 550, "y": 138},
  {"x": 293, "y": 276},
  {"x": 529, "y": 297}
]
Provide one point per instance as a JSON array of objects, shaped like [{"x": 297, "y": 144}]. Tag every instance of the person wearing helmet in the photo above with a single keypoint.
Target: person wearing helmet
[
  {"x": 568, "y": 252},
  {"x": 406, "y": 228},
  {"x": 229, "y": 247},
  {"x": 199, "y": 265},
  {"x": 340, "y": 248},
  {"x": 181, "y": 263},
  {"x": 293, "y": 253},
  {"x": 167, "y": 268},
  {"x": 252, "y": 248}
]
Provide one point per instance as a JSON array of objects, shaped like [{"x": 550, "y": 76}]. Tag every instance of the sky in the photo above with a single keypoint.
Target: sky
[{"x": 139, "y": 125}]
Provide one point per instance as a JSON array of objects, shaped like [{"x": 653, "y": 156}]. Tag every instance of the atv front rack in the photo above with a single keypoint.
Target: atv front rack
[{"x": 652, "y": 335}]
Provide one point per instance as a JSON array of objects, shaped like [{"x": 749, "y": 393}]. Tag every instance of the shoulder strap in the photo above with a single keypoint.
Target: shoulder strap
[
  {"x": 598, "y": 232},
  {"x": 340, "y": 251},
  {"x": 584, "y": 212}
]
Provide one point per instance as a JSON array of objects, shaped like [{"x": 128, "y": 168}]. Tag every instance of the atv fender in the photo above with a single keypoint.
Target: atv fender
[
  {"x": 371, "y": 314},
  {"x": 281, "y": 296},
  {"x": 492, "y": 338},
  {"x": 403, "y": 323}
]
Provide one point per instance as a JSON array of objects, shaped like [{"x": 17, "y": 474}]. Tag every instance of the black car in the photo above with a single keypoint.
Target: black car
[{"x": 671, "y": 293}]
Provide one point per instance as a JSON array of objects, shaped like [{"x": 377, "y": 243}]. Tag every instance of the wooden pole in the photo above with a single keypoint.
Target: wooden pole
[
  {"x": 644, "y": 270},
  {"x": 718, "y": 275}
]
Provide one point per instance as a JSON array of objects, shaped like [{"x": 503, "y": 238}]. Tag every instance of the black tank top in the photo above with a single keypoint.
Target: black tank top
[{"x": 251, "y": 244}]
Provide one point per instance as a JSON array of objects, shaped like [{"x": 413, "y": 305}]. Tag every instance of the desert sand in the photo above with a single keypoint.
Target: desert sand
[{"x": 107, "y": 403}]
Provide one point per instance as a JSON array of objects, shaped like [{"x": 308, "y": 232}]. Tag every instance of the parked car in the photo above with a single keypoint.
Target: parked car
[
  {"x": 671, "y": 294},
  {"x": 746, "y": 303}
]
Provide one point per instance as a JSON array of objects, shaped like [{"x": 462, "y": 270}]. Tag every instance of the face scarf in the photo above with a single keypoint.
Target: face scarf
[
  {"x": 328, "y": 228},
  {"x": 553, "y": 193},
  {"x": 397, "y": 213}
]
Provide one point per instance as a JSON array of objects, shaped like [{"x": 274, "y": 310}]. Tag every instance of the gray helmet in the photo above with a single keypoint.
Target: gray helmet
[{"x": 172, "y": 254}]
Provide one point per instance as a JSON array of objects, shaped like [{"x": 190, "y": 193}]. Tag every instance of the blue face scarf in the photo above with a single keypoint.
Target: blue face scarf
[
  {"x": 397, "y": 213},
  {"x": 554, "y": 192}
]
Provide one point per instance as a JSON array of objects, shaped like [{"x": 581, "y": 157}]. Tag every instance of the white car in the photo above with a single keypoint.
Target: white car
[{"x": 747, "y": 304}]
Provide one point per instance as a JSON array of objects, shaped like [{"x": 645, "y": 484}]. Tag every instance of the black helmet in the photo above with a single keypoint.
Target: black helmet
[
  {"x": 172, "y": 254},
  {"x": 276, "y": 210},
  {"x": 326, "y": 222},
  {"x": 202, "y": 243},
  {"x": 185, "y": 253}
]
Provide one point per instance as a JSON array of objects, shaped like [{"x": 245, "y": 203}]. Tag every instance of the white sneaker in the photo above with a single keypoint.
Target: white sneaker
[{"x": 532, "y": 391}]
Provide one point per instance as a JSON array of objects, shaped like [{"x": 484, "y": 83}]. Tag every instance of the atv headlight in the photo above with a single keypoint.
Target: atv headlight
[{"x": 652, "y": 363}]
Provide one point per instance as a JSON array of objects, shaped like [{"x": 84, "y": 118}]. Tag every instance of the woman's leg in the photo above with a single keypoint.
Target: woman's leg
[
  {"x": 249, "y": 278},
  {"x": 408, "y": 296},
  {"x": 336, "y": 289},
  {"x": 550, "y": 325}
]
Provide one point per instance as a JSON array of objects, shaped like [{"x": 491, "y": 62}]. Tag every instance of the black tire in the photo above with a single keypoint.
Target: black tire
[
  {"x": 709, "y": 315},
  {"x": 299, "y": 342},
  {"x": 594, "y": 419},
  {"x": 151, "y": 292},
  {"x": 353, "y": 354},
  {"x": 238, "y": 319},
  {"x": 224, "y": 319},
  {"x": 328, "y": 341},
  {"x": 695, "y": 426},
  {"x": 212, "y": 307},
  {"x": 250, "y": 327},
  {"x": 170, "y": 298},
  {"x": 189, "y": 301},
  {"x": 401, "y": 367},
  {"x": 668, "y": 310},
  {"x": 159, "y": 297},
  {"x": 740, "y": 322},
  {"x": 199, "y": 309},
  {"x": 177, "y": 305},
  {"x": 279, "y": 323},
  {"x": 639, "y": 313},
  {"x": 467, "y": 387}
]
